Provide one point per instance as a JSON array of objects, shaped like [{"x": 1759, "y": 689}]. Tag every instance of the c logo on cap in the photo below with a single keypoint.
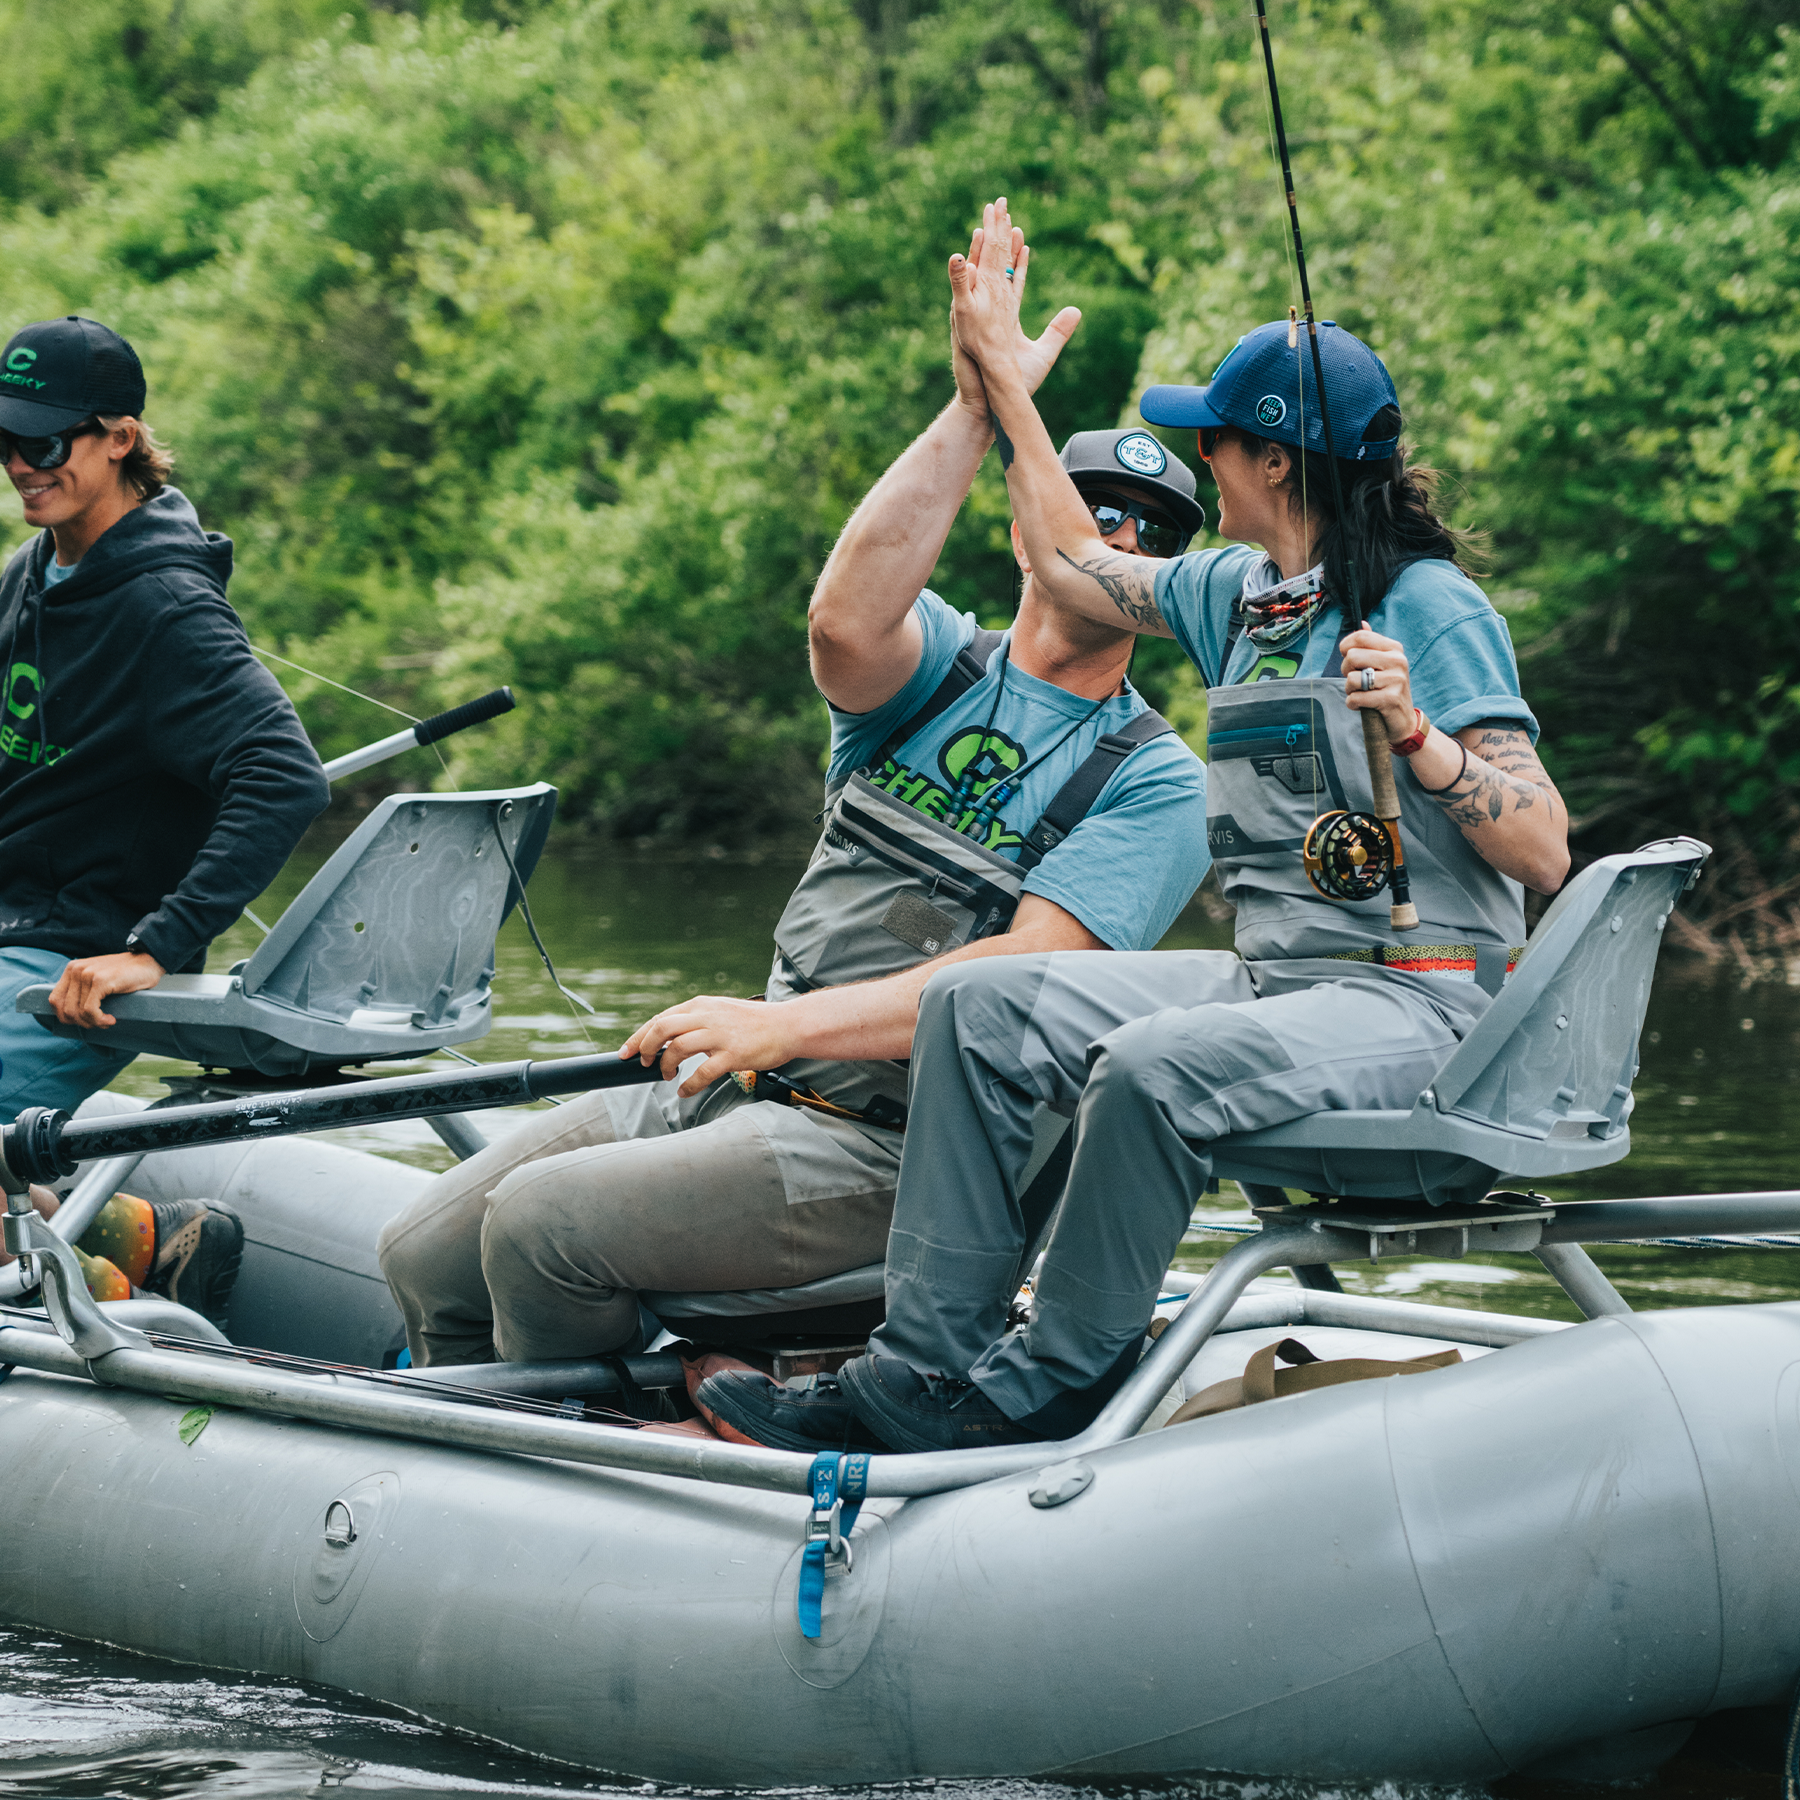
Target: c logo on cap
[
  {"x": 21, "y": 359},
  {"x": 1142, "y": 453},
  {"x": 1271, "y": 409}
]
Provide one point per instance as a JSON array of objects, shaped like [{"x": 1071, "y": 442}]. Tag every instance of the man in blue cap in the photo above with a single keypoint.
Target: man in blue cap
[
  {"x": 153, "y": 776},
  {"x": 1324, "y": 1006}
]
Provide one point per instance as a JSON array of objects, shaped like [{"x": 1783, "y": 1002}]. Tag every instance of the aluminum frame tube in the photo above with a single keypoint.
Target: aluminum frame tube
[
  {"x": 1272, "y": 1247},
  {"x": 99, "y": 1182},
  {"x": 1581, "y": 1278},
  {"x": 334, "y": 1400},
  {"x": 1374, "y": 1312},
  {"x": 1673, "y": 1215},
  {"x": 551, "y": 1380}
]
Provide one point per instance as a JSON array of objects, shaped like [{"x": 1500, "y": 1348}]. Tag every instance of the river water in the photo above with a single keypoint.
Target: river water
[{"x": 1716, "y": 1112}]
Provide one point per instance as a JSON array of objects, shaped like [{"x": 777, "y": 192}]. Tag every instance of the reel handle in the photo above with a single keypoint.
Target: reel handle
[{"x": 1402, "y": 914}]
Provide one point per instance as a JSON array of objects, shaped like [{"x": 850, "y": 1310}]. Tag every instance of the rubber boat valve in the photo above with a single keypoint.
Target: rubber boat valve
[{"x": 43, "y": 1144}]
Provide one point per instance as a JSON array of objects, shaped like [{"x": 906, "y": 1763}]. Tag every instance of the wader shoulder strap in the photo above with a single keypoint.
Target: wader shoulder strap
[
  {"x": 1076, "y": 797},
  {"x": 970, "y": 665}
]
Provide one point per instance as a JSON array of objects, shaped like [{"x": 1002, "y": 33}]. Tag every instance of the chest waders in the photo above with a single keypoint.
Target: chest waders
[
  {"x": 1278, "y": 754},
  {"x": 889, "y": 888}
]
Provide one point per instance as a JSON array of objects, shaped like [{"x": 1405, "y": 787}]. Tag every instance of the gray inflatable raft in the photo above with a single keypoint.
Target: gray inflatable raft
[{"x": 1557, "y": 1556}]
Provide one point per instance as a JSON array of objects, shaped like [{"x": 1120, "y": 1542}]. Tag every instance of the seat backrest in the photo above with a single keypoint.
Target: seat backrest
[
  {"x": 403, "y": 916},
  {"x": 1556, "y": 1053}
]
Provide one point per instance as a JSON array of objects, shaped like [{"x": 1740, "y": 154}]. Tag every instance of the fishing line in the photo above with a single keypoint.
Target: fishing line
[
  {"x": 355, "y": 694},
  {"x": 574, "y": 999}
]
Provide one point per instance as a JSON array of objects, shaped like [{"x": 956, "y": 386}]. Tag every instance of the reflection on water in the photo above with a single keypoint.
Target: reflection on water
[{"x": 1714, "y": 1114}]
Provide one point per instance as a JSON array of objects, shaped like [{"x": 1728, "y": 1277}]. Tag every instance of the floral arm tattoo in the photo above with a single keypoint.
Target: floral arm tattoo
[
  {"x": 1503, "y": 774},
  {"x": 1129, "y": 582}
]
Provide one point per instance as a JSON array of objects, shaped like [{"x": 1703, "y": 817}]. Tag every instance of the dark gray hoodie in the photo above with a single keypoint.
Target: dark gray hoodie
[{"x": 153, "y": 776}]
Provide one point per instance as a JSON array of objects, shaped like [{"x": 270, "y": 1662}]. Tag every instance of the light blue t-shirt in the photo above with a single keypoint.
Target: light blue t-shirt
[
  {"x": 1128, "y": 868},
  {"x": 1458, "y": 649},
  {"x": 55, "y": 572}
]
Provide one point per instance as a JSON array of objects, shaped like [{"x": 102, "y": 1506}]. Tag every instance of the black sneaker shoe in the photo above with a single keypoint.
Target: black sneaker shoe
[
  {"x": 926, "y": 1412},
  {"x": 810, "y": 1418},
  {"x": 199, "y": 1245}
]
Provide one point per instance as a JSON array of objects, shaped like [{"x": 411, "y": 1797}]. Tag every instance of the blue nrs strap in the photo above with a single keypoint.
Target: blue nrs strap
[{"x": 839, "y": 1483}]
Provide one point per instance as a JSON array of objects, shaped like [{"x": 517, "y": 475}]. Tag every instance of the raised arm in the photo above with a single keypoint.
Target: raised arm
[
  {"x": 865, "y": 641},
  {"x": 1067, "y": 556}
]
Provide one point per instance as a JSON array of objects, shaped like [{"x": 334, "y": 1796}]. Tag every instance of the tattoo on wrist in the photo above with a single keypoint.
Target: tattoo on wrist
[
  {"x": 1001, "y": 439},
  {"x": 1126, "y": 582}
]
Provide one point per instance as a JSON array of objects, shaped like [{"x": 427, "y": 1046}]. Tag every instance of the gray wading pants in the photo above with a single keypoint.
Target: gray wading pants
[
  {"x": 1155, "y": 1053},
  {"x": 539, "y": 1246}
]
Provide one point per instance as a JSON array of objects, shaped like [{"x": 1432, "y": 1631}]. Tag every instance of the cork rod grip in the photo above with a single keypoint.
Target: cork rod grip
[{"x": 1381, "y": 766}]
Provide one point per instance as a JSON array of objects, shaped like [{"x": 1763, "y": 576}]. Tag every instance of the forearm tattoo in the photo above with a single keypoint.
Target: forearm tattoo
[
  {"x": 1503, "y": 774},
  {"x": 1001, "y": 439},
  {"x": 1129, "y": 582}
]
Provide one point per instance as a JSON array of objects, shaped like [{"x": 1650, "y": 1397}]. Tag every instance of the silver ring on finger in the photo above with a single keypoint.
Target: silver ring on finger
[{"x": 1368, "y": 681}]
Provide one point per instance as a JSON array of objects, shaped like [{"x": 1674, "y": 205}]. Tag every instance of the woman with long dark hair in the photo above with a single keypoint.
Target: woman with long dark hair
[{"x": 1324, "y": 1006}]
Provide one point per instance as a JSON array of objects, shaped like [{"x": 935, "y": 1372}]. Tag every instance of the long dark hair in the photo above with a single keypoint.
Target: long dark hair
[{"x": 1391, "y": 507}]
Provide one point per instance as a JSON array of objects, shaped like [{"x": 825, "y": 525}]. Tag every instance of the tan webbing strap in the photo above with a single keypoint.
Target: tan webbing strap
[{"x": 1261, "y": 1380}]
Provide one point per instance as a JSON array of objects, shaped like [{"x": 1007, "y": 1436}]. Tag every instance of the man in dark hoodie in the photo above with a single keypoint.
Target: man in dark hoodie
[{"x": 153, "y": 776}]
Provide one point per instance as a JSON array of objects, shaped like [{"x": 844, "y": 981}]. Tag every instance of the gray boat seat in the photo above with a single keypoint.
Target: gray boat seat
[
  {"x": 848, "y": 1305},
  {"x": 1540, "y": 1088},
  {"x": 852, "y": 1304},
  {"x": 387, "y": 952}
]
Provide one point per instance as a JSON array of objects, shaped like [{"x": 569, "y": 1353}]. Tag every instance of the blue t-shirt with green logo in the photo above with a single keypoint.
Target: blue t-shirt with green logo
[
  {"x": 1128, "y": 868},
  {"x": 1458, "y": 649}
]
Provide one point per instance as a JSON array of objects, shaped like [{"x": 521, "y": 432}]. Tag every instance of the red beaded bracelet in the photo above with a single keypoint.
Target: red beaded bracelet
[{"x": 1407, "y": 746}]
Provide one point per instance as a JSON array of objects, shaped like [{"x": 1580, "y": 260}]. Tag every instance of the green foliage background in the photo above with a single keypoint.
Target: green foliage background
[{"x": 551, "y": 343}]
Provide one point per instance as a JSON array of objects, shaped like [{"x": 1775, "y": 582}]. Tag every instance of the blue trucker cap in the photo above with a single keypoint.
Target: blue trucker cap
[{"x": 1266, "y": 387}]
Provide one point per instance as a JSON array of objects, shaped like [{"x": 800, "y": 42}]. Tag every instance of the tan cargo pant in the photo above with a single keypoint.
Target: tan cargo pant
[{"x": 538, "y": 1247}]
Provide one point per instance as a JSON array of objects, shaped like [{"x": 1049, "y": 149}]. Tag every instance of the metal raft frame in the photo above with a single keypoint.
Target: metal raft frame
[{"x": 88, "y": 1344}]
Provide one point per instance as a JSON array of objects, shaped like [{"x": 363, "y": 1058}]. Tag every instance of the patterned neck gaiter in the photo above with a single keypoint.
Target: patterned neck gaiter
[{"x": 1273, "y": 610}]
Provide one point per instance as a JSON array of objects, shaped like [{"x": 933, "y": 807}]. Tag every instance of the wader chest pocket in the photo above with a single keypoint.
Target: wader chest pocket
[{"x": 918, "y": 923}]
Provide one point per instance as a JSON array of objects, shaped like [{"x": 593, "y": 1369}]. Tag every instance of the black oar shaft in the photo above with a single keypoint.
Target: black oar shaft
[{"x": 44, "y": 1145}]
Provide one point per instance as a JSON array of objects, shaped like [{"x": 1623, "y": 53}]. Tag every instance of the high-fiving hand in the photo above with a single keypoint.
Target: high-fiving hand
[{"x": 984, "y": 310}]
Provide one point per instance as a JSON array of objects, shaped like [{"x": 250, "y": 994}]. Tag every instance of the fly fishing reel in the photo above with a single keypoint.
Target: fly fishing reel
[{"x": 1348, "y": 855}]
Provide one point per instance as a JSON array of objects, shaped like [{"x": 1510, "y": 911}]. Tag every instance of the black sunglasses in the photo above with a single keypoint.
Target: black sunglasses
[
  {"x": 45, "y": 452},
  {"x": 1209, "y": 436},
  {"x": 1156, "y": 532}
]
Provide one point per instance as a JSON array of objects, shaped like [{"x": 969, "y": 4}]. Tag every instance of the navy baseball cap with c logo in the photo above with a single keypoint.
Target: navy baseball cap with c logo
[
  {"x": 1266, "y": 386},
  {"x": 56, "y": 373}
]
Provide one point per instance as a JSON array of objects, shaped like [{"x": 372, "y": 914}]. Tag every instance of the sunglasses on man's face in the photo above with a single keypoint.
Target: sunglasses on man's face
[
  {"x": 1209, "y": 437},
  {"x": 45, "y": 452},
  {"x": 1156, "y": 533}
]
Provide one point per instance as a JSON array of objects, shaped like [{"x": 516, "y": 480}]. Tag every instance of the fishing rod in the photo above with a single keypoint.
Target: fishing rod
[{"x": 1348, "y": 856}]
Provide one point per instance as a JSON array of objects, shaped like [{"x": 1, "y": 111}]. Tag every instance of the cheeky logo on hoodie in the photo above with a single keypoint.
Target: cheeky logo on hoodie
[{"x": 22, "y": 685}]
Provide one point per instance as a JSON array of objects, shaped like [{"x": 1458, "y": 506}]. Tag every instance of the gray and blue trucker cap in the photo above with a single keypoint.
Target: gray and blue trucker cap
[
  {"x": 1137, "y": 463},
  {"x": 60, "y": 371},
  {"x": 1266, "y": 386}
]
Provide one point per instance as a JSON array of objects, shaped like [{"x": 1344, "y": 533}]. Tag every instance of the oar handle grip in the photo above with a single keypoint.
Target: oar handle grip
[{"x": 460, "y": 718}]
